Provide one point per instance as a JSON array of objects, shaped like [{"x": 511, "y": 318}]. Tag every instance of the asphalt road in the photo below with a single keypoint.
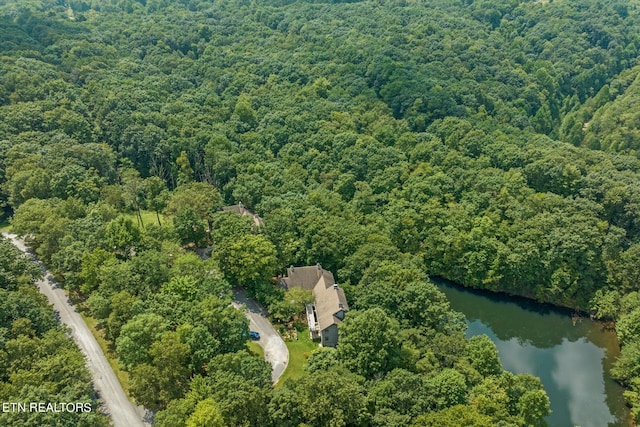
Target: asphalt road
[
  {"x": 275, "y": 350},
  {"x": 117, "y": 405}
]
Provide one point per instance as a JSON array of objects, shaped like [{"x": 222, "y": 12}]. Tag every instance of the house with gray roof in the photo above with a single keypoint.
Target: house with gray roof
[
  {"x": 241, "y": 210},
  {"x": 330, "y": 303}
]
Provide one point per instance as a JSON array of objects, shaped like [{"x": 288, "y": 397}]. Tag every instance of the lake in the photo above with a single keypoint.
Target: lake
[{"x": 571, "y": 355}]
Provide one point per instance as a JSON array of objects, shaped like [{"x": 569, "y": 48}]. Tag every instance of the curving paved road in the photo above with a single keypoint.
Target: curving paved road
[
  {"x": 118, "y": 407},
  {"x": 275, "y": 350}
]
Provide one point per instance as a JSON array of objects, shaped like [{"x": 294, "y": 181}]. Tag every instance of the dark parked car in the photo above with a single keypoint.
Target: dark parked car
[{"x": 254, "y": 335}]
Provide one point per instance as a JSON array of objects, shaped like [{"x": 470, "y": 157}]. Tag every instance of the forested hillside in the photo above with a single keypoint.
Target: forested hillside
[
  {"x": 614, "y": 125},
  {"x": 386, "y": 140}
]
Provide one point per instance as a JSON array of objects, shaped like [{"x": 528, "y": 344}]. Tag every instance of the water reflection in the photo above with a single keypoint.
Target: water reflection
[
  {"x": 572, "y": 360},
  {"x": 584, "y": 390}
]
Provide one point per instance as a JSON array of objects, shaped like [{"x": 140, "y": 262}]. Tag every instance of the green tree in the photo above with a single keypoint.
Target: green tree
[
  {"x": 483, "y": 355},
  {"x": 627, "y": 367},
  {"x": 202, "y": 198},
  {"x": 398, "y": 398},
  {"x": 628, "y": 326},
  {"x": 455, "y": 416},
  {"x": 206, "y": 414},
  {"x": 293, "y": 303},
  {"x": 423, "y": 305},
  {"x": 226, "y": 324},
  {"x": 15, "y": 269},
  {"x": 448, "y": 388},
  {"x": 229, "y": 226},
  {"x": 185, "y": 171},
  {"x": 90, "y": 271},
  {"x": 244, "y": 111},
  {"x": 121, "y": 309},
  {"x": 322, "y": 359},
  {"x": 605, "y": 304},
  {"x": 137, "y": 336},
  {"x": 28, "y": 219},
  {"x": 166, "y": 376},
  {"x": 121, "y": 236},
  {"x": 369, "y": 343},
  {"x": 312, "y": 400},
  {"x": 247, "y": 261},
  {"x": 156, "y": 195},
  {"x": 241, "y": 385},
  {"x": 133, "y": 191},
  {"x": 533, "y": 407},
  {"x": 190, "y": 228}
]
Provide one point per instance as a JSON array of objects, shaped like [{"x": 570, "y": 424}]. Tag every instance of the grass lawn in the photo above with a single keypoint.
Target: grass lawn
[
  {"x": 148, "y": 217},
  {"x": 254, "y": 348},
  {"x": 123, "y": 377},
  {"x": 299, "y": 352},
  {"x": 4, "y": 225}
]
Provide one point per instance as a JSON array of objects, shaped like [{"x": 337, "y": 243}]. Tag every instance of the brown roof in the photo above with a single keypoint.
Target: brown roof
[
  {"x": 307, "y": 277},
  {"x": 329, "y": 297},
  {"x": 241, "y": 210}
]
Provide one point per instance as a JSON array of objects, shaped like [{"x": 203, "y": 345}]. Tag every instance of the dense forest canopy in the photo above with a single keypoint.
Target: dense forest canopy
[{"x": 386, "y": 140}]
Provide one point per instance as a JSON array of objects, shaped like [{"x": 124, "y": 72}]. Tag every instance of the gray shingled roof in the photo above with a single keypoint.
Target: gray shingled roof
[
  {"x": 306, "y": 277},
  {"x": 241, "y": 210},
  {"x": 329, "y": 297}
]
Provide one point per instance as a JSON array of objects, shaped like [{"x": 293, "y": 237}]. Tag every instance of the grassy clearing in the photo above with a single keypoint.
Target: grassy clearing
[
  {"x": 299, "y": 352},
  {"x": 255, "y": 348},
  {"x": 148, "y": 217},
  {"x": 123, "y": 377},
  {"x": 4, "y": 225}
]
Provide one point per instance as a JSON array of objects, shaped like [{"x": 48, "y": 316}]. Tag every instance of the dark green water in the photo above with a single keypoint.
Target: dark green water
[{"x": 572, "y": 356}]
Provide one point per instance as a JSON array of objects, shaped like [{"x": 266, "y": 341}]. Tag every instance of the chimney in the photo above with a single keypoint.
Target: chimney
[
  {"x": 291, "y": 268},
  {"x": 335, "y": 286},
  {"x": 319, "y": 266}
]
